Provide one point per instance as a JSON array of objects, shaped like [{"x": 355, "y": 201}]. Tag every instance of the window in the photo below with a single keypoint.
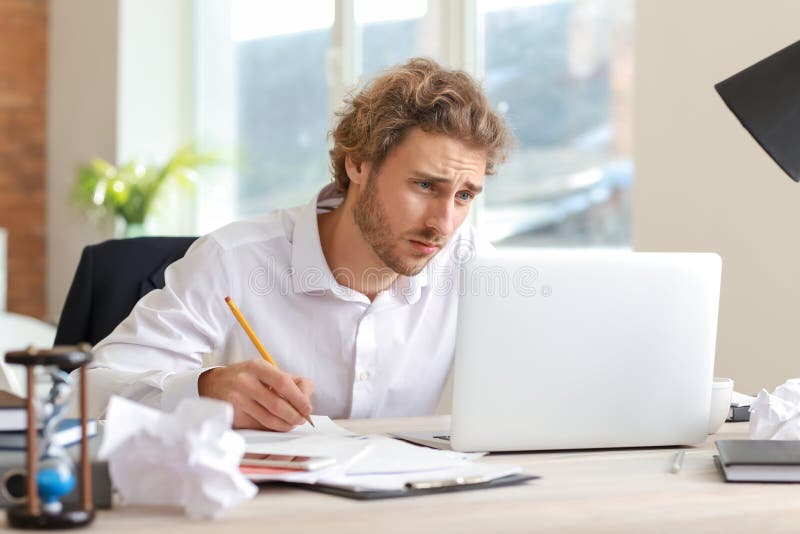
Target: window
[
  {"x": 274, "y": 93},
  {"x": 282, "y": 103},
  {"x": 270, "y": 75},
  {"x": 390, "y": 32},
  {"x": 560, "y": 71}
]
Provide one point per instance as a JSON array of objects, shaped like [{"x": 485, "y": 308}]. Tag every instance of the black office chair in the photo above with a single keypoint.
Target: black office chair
[{"x": 110, "y": 279}]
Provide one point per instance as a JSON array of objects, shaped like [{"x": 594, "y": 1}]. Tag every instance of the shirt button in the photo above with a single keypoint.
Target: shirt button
[{"x": 363, "y": 375}]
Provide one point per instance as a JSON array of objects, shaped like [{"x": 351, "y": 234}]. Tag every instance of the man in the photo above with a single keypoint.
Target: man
[{"x": 354, "y": 295}]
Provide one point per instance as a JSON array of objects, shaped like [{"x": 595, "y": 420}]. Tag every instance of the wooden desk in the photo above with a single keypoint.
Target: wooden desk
[{"x": 596, "y": 491}]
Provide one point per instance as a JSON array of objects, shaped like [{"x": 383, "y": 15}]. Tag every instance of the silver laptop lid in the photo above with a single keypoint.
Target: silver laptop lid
[{"x": 568, "y": 349}]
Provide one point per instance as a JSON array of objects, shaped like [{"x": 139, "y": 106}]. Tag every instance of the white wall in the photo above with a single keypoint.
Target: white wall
[
  {"x": 81, "y": 124},
  {"x": 703, "y": 184}
]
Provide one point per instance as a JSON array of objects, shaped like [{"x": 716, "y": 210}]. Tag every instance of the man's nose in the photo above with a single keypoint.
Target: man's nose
[{"x": 441, "y": 216}]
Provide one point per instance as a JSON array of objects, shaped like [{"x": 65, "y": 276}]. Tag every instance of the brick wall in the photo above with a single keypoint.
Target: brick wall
[{"x": 23, "y": 72}]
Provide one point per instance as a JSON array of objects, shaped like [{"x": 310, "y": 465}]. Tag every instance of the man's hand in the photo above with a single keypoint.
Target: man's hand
[{"x": 262, "y": 396}]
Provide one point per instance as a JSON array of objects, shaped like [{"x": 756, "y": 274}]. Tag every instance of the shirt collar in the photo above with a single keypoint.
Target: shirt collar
[{"x": 310, "y": 271}]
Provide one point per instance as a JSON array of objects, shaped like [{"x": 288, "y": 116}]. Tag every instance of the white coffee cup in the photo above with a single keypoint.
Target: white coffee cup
[{"x": 721, "y": 392}]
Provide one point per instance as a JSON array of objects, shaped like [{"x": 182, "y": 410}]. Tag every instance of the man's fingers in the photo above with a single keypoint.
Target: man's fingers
[
  {"x": 244, "y": 420},
  {"x": 255, "y": 411},
  {"x": 284, "y": 386},
  {"x": 262, "y": 396},
  {"x": 305, "y": 385},
  {"x": 254, "y": 389}
]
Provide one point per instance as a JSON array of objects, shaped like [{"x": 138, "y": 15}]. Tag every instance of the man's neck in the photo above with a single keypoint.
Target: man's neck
[{"x": 351, "y": 259}]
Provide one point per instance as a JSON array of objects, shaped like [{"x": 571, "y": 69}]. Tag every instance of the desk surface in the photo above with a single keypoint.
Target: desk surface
[{"x": 597, "y": 491}]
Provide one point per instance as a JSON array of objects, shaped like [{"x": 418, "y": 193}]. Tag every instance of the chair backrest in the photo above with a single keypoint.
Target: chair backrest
[{"x": 110, "y": 279}]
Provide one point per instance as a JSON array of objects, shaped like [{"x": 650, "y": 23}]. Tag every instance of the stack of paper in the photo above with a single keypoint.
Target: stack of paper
[
  {"x": 366, "y": 463},
  {"x": 67, "y": 432},
  {"x": 13, "y": 415}
]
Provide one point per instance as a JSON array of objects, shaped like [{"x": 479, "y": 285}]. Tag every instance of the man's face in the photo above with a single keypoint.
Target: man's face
[{"x": 408, "y": 209}]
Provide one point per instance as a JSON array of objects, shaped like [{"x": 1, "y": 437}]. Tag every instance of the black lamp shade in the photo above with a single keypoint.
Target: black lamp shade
[{"x": 766, "y": 99}]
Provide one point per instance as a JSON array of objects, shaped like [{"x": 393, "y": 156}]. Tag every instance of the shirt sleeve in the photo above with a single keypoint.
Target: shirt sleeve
[{"x": 155, "y": 356}]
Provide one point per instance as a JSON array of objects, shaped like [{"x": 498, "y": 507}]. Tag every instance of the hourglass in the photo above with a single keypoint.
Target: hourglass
[{"x": 50, "y": 389}]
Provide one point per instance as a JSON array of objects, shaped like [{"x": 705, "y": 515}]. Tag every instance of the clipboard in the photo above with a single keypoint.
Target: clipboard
[{"x": 370, "y": 495}]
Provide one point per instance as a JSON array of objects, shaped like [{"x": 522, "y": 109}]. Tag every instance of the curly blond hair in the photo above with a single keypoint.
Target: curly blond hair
[{"x": 418, "y": 93}]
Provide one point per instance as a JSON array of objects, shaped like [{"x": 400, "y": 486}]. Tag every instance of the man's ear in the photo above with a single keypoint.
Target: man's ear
[{"x": 357, "y": 172}]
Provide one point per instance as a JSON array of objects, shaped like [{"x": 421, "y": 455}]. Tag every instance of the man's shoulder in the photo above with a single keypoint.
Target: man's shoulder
[{"x": 273, "y": 229}]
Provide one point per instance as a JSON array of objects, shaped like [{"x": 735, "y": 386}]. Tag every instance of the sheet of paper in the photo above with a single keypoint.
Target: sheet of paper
[
  {"x": 388, "y": 455},
  {"x": 326, "y": 438},
  {"x": 323, "y": 426},
  {"x": 346, "y": 450},
  {"x": 371, "y": 462},
  {"x": 398, "y": 480}
]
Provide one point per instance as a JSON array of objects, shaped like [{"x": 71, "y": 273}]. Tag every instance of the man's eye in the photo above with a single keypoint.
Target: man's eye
[
  {"x": 425, "y": 185},
  {"x": 465, "y": 196}
]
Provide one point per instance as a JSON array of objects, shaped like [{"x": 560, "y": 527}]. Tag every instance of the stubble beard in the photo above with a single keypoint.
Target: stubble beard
[{"x": 373, "y": 223}]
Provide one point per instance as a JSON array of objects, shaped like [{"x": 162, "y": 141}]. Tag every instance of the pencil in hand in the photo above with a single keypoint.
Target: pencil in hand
[{"x": 257, "y": 342}]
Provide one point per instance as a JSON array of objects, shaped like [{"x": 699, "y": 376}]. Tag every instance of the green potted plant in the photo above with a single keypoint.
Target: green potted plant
[{"x": 127, "y": 192}]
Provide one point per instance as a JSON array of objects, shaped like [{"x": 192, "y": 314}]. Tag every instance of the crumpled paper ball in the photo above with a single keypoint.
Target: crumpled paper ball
[
  {"x": 777, "y": 415},
  {"x": 188, "y": 458}
]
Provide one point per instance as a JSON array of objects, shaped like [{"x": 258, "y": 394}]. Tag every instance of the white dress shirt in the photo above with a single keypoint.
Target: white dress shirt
[{"x": 389, "y": 357}]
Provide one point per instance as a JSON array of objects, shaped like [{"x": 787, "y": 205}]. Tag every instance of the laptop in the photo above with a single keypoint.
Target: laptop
[{"x": 577, "y": 349}]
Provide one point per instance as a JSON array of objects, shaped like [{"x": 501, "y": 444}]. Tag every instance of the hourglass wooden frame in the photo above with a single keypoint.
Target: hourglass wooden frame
[{"x": 30, "y": 514}]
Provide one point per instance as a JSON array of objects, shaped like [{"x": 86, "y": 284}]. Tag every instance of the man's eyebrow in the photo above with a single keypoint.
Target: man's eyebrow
[{"x": 440, "y": 180}]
